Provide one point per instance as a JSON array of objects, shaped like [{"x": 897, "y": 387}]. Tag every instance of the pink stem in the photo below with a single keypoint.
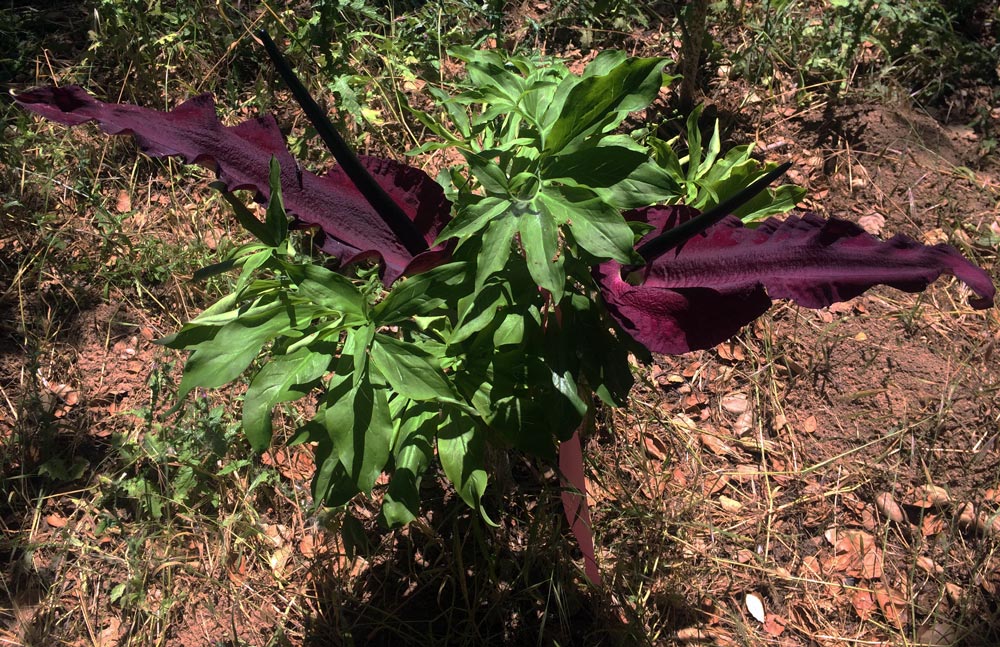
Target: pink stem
[{"x": 574, "y": 499}]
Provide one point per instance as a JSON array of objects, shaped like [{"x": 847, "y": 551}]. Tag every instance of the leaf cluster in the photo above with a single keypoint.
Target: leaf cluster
[
  {"x": 707, "y": 176},
  {"x": 545, "y": 167}
]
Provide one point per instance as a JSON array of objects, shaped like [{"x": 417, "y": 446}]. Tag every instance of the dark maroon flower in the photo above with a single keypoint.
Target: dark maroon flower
[
  {"x": 241, "y": 155},
  {"x": 722, "y": 279}
]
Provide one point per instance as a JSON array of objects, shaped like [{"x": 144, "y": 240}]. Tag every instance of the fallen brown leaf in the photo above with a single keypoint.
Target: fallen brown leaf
[
  {"x": 715, "y": 444},
  {"x": 888, "y": 507},
  {"x": 864, "y": 603},
  {"x": 55, "y": 520},
  {"x": 895, "y": 608},
  {"x": 856, "y": 553},
  {"x": 774, "y": 625}
]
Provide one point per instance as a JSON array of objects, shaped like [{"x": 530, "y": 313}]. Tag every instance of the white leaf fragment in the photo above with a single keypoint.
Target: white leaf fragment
[{"x": 755, "y": 607}]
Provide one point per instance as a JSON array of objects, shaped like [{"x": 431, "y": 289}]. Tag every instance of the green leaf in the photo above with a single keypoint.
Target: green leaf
[
  {"x": 410, "y": 371},
  {"x": 214, "y": 269},
  {"x": 510, "y": 330},
  {"x": 190, "y": 336},
  {"x": 559, "y": 97},
  {"x": 223, "y": 358},
  {"x": 455, "y": 109},
  {"x": 260, "y": 296},
  {"x": 276, "y": 221},
  {"x": 566, "y": 385},
  {"x": 328, "y": 289},
  {"x": 480, "y": 313},
  {"x": 251, "y": 264},
  {"x": 598, "y": 227},
  {"x": 433, "y": 124},
  {"x": 461, "y": 448},
  {"x": 495, "y": 250},
  {"x": 604, "y": 63},
  {"x": 490, "y": 176},
  {"x": 631, "y": 85},
  {"x": 473, "y": 217},
  {"x": 714, "y": 147},
  {"x": 537, "y": 99},
  {"x": 603, "y": 356},
  {"x": 258, "y": 229},
  {"x": 420, "y": 295},
  {"x": 649, "y": 184},
  {"x": 486, "y": 71},
  {"x": 354, "y": 353},
  {"x": 331, "y": 484},
  {"x": 283, "y": 379},
  {"x": 540, "y": 238},
  {"x": 413, "y": 453},
  {"x": 694, "y": 144},
  {"x": 527, "y": 407},
  {"x": 601, "y": 166},
  {"x": 357, "y": 419}
]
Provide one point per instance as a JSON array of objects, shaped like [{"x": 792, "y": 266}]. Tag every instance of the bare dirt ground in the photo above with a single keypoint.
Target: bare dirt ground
[
  {"x": 848, "y": 455},
  {"x": 836, "y": 472}
]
